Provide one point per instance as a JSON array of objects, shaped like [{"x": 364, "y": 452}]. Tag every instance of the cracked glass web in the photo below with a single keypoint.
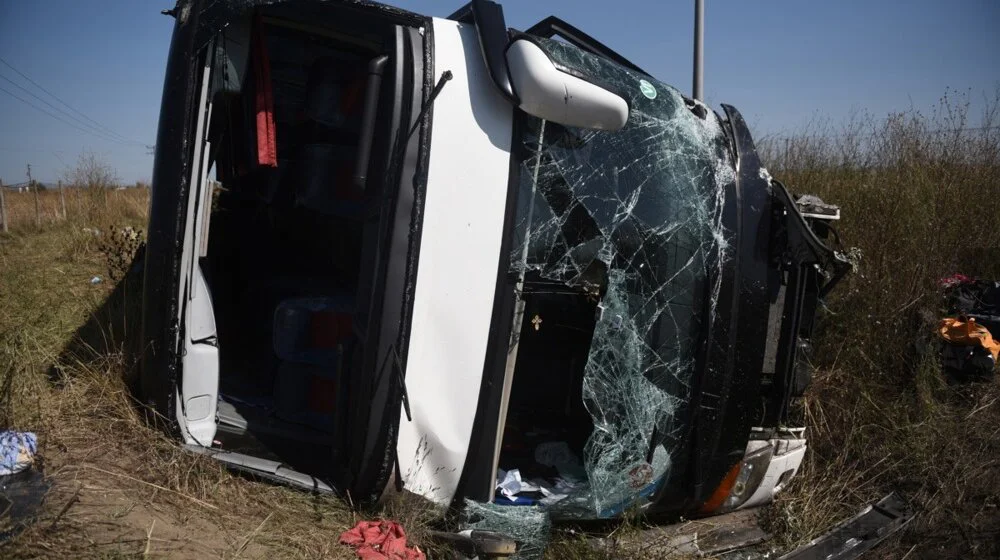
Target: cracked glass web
[
  {"x": 529, "y": 526},
  {"x": 632, "y": 218}
]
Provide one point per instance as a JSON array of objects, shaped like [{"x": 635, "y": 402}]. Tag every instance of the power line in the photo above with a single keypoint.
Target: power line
[
  {"x": 96, "y": 131},
  {"x": 56, "y": 117},
  {"x": 68, "y": 106},
  {"x": 58, "y": 157},
  {"x": 31, "y": 150}
]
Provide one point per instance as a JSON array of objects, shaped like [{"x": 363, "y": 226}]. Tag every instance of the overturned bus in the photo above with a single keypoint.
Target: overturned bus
[{"x": 392, "y": 252}]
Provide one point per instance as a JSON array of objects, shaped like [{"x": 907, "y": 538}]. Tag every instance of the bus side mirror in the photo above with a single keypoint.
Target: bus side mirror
[{"x": 551, "y": 94}]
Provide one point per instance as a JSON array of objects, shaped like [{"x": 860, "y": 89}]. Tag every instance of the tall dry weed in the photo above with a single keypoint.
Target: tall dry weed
[{"x": 920, "y": 198}]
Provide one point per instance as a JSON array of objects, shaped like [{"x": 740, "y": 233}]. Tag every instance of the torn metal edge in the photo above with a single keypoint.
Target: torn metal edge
[{"x": 857, "y": 535}]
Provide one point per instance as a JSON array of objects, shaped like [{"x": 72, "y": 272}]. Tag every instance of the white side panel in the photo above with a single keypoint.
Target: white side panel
[
  {"x": 197, "y": 401},
  {"x": 456, "y": 276}
]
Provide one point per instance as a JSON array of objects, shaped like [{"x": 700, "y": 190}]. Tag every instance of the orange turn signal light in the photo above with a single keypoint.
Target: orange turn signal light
[{"x": 722, "y": 491}]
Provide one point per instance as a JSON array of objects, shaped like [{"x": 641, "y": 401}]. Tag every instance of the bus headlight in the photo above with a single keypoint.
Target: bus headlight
[
  {"x": 752, "y": 472},
  {"x": 741, "y": 482}
]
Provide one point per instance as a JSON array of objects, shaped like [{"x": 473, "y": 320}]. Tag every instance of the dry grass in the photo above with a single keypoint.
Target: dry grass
[
  {"x": 921, "y": 199},
  {"x": 93, "y": 207}
]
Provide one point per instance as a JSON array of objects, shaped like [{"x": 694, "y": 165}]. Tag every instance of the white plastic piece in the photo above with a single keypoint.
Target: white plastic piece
[
  {"x": 201, "y": 319},
  {"x": 200, "y": 373},
  {"x": 788, "y": 455},
  {"x": 457, "y": 271},
  {"x": 201, "y": 368},
  {"x": 199, "y": 408},
  {"x": 550, "y": 94}
]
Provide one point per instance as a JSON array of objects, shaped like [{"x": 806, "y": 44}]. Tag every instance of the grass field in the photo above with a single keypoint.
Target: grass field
[
  {"x": 921, "y": 200},
  {"x": 918, "y": 203}
]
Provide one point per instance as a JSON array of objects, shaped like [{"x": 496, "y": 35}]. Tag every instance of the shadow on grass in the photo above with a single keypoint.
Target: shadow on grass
[{"x": 111, "y": 334}]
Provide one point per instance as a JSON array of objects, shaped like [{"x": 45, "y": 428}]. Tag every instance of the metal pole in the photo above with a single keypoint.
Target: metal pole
[
  {"x": 34, "y": 189},
  {"x": 3, "y": 209},
  {"x": 699, "y": 49},
  {"x": 62, "y": 200}
]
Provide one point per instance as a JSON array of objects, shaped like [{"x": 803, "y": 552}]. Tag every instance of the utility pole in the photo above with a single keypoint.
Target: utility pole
[
  {"x": 38, "y": 212},
  {"x": 3, "y": 209},
  {"x": 62, "y": 200},
  {"x": 699, "y": 50}
]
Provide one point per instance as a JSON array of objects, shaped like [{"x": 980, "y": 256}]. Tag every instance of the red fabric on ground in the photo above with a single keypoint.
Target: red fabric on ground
[
  {"x": 267, "y": 145},
  {"x": 380, "y": 540},
  {"x": 954, "y": 280}
]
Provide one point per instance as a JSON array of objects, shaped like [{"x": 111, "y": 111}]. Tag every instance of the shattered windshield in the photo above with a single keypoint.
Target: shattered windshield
[{"x": 631, "y": 218}]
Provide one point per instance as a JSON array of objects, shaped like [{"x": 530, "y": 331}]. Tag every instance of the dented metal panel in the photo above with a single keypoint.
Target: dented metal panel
[
  {"x": 455, "y": 281},
  {"x": 859, "y": 534}
]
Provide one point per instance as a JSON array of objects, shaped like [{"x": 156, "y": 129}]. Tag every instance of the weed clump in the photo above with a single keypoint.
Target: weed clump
[{"x": 119, "y": 249}]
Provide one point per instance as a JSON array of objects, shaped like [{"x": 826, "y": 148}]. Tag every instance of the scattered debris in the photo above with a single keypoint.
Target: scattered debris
[
  {"x": 812, "y": 206},
  {"x": 96, "y": 280},
  {"x": 17, "y": 451},
  {"x": 859, "y": 534},
  {"x": 513, "y": 490},
  {"x": 975, "y": 299},
  {"x": 964, "y": 364},
  {"x": 953, "y": 280},
  {"x": 971, "y": 352},
  {"x": 712, "y": 536},
  {"x": 509, "y": 484},
  {"x": 971, "y": 348},
  {"x": 735, "y": 532},
  {"x": 21, "y": 496},
  {"x": 22, "y": 488},
  {"x": 529, "y": 526},
  {"x": 380, "y": 540},
  {"x": 476, "y": 545}
]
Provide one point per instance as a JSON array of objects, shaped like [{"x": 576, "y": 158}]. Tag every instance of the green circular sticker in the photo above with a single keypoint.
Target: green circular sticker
[{"x": 647, "y": 89}]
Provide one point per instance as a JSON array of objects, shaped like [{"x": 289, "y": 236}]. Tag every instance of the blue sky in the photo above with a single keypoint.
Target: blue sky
[{"x": 783, "y": 63}]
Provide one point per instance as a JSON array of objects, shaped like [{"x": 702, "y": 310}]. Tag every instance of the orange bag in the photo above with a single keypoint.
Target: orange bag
[{"x": 968, "y": 333}]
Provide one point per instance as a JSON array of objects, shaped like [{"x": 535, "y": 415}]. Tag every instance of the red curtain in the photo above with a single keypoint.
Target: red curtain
[{"x": 267, "y": 146}]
